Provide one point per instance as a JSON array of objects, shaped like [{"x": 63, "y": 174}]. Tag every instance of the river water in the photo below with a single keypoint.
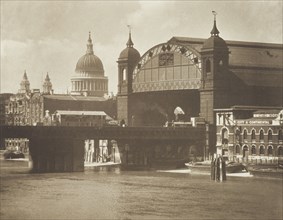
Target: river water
[{"x": 116, "y": 194}]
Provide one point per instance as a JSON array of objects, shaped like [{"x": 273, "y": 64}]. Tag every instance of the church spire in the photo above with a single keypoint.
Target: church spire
[
  {"x": 130, "y": 42},
  {"x": 25, "y": 76},
  {"x": 47, "y": 85},
  {"x": 25, "y": 85},
  {"x": 214, "y": 31},
  {"x": 47, "y": 77},
  {"x": 89, "y": 45}
]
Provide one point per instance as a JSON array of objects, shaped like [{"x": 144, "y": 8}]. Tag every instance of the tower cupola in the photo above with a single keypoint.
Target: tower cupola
[
  {"x": 128, "y": 59},
  {"x": 214, "y": 41},
  {"x": 130, "y": 53}
]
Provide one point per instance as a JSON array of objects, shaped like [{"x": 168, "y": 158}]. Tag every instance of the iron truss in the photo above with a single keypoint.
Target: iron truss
[{"x": 192, "y": 55}]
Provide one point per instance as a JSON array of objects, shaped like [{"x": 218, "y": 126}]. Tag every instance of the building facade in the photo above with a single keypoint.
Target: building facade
[
  {"x": 250, "y": 134},
  {"x": 26, "y": 106}
]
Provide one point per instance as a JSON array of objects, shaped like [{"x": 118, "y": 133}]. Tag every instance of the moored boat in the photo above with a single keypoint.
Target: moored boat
[
  {"x": 233, "y": 167},
  {"x": 205, "y": 167}
]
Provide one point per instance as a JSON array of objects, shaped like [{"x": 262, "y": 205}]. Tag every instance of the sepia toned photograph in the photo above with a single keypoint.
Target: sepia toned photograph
[{"x": 141, "y": 110}]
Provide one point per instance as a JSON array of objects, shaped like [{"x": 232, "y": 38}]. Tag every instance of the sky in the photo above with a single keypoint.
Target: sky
[{"x": 50, "y": 36}]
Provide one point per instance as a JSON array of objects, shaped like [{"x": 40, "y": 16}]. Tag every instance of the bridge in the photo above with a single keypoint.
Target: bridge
[{"x": 62, "y": 149}]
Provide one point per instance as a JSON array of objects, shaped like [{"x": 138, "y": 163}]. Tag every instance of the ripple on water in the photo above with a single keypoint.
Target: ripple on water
[{"x": 136, "y": 195}]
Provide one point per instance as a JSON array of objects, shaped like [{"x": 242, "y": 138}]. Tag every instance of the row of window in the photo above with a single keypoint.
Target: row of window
[
  {"x": 261, "y": 135},
  {"x": 261, "y": 150}
]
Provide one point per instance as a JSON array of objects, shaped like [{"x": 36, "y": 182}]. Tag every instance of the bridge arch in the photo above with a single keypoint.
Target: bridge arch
[{"x": 168, "y": 66}]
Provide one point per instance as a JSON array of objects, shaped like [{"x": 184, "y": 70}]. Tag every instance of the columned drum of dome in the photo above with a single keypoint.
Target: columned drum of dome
[{"x": 89, "y": 79}]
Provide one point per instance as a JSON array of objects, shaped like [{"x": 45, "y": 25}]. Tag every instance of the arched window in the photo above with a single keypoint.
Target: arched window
[
  {"x": 253, "y": 150},
  {"x": 124, "y": 74},
  {"x": 280, "y": 151},
  {"x": 261, "y": 135},
  {"x": 280, "y": 136},
  {"x": 208, "y": 66},
  {"x": 245, "y": 151},
  {"x": 245, "y": 136},
  {"x": 253, "y": 135},
  {"x": 261, "y": 150},
  {"x": 269, "y": 151},
  {"x": 237, "y": 149},
  {"x": 269, "y": 135},
  {"x": 237, "y": 134}
]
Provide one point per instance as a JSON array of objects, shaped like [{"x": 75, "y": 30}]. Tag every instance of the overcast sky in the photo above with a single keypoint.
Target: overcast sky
[{"x": 50, "y": 36}]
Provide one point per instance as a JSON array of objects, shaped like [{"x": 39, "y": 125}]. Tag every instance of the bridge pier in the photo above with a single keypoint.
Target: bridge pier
[{"x": 57, "y": 155}]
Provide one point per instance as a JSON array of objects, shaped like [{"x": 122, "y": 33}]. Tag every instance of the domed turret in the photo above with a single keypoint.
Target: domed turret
[
  {"x": 130, "y": 53},
  {"x": 89, "y": 79},
  {"x": 128, "y": 59},
  {"x": 214, "y": 41}
]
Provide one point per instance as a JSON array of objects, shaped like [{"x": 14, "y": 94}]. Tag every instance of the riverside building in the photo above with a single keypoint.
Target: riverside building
[{"x": 250, "y": 134}]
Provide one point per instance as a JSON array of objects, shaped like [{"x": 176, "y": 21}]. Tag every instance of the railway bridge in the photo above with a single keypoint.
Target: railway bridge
[{"x": 62, "y": 149}]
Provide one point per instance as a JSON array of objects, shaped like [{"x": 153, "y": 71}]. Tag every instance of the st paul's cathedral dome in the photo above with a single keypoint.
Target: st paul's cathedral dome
[{"x": 89, "y": 79}]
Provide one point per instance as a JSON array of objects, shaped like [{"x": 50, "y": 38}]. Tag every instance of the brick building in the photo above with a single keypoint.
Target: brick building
[{"x": 250, "y": 134}]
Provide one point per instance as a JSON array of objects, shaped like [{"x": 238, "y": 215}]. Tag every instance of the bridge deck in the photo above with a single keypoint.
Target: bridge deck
[{"x": 159, "y": 133}]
